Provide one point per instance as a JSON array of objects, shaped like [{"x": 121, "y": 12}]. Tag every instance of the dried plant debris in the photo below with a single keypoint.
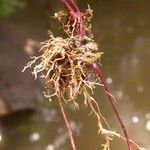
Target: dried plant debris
[
  {"x": 67, "y": 62},
  {"x": 66, "y": 66}
]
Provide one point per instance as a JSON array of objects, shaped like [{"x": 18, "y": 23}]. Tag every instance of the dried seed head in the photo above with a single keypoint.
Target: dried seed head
[{"x": 66, "y": 62}]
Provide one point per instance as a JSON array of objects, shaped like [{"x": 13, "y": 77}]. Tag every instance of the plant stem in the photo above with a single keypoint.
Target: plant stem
[
  {"x": 66, "y": 122},
  {"x": 101, "y": 78},
  {"x": 76, "y": 16},
  {"x": 70, "y": 6}
]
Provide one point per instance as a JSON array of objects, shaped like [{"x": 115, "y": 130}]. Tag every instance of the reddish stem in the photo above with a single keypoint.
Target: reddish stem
[
  {"x": 70, "y": 6},
  {"x": 101, "y": 78},
  {"x": 66, "y": 122},
  {"x": 76, "y": 16},
  {"x": 64, "y": 114}
]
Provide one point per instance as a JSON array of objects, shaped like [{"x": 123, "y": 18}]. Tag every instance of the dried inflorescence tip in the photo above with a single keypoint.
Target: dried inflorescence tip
[
  {"x": 67, "y": 66},
  {"x": 66, "y": 62}
]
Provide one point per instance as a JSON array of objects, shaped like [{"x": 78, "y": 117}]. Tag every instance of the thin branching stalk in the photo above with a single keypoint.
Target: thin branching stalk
[
  {"x": 76, "y": 16},
  {"x": 66, "y": 122},
  {"x": 100, "y": 75},
  {"x": 58, "y": 95}
]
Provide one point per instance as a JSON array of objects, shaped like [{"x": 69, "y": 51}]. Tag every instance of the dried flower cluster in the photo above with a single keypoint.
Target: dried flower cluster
[
  {"x": 66, "y": 62},
  {"x": 66, "y": 66}
]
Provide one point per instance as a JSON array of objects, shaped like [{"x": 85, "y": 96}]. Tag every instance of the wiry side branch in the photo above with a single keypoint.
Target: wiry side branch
[
  {"x": 67, "y": 123},
  {"x": 76, "y": 16},
  {"x": 102, "y": 80},
  {"x": 65, "y": 117}
]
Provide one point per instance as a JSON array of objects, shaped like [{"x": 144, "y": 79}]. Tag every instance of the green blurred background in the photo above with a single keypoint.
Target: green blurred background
[{"x": 28, "y": 121}]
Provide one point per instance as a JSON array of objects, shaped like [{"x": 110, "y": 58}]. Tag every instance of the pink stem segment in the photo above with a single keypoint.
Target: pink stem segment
[
  {"x": 66, "y": 123},
  {"x": 76, "y": 16},
  {"x": 70, "y": 6},
  {"x": 101, "y": 78}
]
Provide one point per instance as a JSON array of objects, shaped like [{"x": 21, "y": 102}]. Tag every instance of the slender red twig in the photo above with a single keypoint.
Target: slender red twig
[
  {"x": 71, "y": 6},
  {"x": 66, "y": 123},
  {"x": 64, "y": 116},
  {"x": 100, "y": 75},
  {"x": 76, "y": 16}
]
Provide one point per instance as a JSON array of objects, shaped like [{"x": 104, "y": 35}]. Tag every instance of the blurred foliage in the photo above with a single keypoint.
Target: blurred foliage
[{"x": 9, "y": 7}]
